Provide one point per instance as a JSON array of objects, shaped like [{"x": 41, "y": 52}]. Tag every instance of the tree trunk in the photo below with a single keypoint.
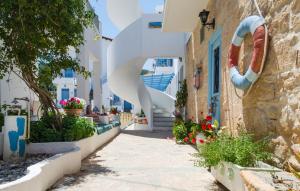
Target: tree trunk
[{"x": 48, "y": 105}]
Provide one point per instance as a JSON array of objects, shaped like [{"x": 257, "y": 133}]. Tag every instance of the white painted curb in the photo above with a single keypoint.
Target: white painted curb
[{"x": 42, "y": 175}]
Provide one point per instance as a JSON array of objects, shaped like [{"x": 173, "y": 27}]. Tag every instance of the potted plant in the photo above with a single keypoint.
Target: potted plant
[
  {"x": 227, "y": 156},
  {"x": 73, "y": 106},
  {"x": 206, "y": 130},
  {"x": 114, "y": 114}
]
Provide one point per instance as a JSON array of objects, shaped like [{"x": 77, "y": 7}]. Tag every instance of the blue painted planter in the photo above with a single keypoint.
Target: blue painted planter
[{"x": 15, "y": 130}]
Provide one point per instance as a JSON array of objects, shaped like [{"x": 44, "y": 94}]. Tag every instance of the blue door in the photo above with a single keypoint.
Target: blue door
[
  {"x": 65, "y": 93},
  {"x": 214, "y": 71}
]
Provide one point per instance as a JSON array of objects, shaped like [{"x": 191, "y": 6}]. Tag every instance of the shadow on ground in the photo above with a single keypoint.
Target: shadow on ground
[{"x": 90, "y": 166}]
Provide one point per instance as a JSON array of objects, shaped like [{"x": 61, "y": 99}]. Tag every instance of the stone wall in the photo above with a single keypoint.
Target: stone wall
[{"x": 273, "y": 106}]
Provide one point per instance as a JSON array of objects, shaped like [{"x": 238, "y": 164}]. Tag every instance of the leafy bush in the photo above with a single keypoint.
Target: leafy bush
[
  {"x": 76, "y": 128},
  {"x": 40, "y": 132},
  {"x": 179, "y": 131},
  {"x": 240, "y": 150}
]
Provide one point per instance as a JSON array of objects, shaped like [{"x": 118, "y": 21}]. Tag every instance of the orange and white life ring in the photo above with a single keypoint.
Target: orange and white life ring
[{"x": 256, "y": 25}]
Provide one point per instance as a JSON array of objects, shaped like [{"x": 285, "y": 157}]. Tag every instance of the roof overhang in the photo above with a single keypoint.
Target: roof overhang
[{"x": 182, "y": 15}]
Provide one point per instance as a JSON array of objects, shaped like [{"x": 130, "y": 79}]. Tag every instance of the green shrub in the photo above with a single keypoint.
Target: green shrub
[
  {"x": 76, "y": 128},
  {"x": 179, "y": 131},
  {"x": 39, "y": 133},
  {"x": 240, "y": 150}
]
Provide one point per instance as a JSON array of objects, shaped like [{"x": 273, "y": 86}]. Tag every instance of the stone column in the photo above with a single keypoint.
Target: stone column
[
  {"x": 83, "y": 85},
  {"x": 96, "y": 84}
]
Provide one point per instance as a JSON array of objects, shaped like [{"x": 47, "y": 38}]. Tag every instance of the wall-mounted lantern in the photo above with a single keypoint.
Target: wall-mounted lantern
[
  {"x": 197, "y": 78},
  {"x": 204, "y": 16}
]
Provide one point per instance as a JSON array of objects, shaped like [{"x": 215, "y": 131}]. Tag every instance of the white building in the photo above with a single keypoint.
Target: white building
[{"x": 70, "y": 84}]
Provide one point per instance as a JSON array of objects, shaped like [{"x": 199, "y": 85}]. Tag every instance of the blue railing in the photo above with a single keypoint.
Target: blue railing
[{"x": 159, "y": 82}]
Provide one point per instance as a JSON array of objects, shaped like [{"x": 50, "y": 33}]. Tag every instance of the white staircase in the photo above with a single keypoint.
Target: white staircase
[
  {"x": 126, "y": 58},
  {"x": 162, "y": 120}
]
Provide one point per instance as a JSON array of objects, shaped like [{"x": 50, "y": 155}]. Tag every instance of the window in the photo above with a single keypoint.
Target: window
[
  {"x": 116, "y": 100},
  {"x": 216, "y": 70},
  {"x": 75, "y": 92},
  {"x": 69, "y": 73},
  {"x": 155, "y": 25},
  {"x": 164, "y": 63},
  {"x": 65, "y": 93}
]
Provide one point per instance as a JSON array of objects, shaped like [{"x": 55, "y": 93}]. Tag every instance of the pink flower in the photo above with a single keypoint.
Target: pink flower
[
  {"x": 73, "y": 99},
  {"x": 63, "y": 102},
  {"x": 78, "y": 101}
]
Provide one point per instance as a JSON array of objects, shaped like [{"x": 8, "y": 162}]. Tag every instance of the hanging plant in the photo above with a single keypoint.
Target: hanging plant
[{"x": 181, "y": 95}]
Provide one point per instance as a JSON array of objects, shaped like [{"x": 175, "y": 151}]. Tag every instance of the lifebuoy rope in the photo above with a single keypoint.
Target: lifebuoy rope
[{"x": 264, "y": 56}]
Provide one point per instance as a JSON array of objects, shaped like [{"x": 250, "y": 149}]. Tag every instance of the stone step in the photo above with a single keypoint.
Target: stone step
[
  {"x": 162, "y": 114},
  {"x": 158, "y": 110},
  {"x": 167, "y": 119},
  {"x": 162, "y": 128},
  {"x": 162, "y": 123}
]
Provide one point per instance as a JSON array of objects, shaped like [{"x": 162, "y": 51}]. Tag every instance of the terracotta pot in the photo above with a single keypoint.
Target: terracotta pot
[{"x": 73, "y": 112}]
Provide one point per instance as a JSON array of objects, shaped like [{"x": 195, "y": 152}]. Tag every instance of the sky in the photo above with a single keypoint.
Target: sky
[{"x": 108, "y": 28}]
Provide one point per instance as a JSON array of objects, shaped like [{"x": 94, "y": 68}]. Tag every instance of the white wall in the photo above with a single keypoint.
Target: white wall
[{"x": 13, "y": 87}]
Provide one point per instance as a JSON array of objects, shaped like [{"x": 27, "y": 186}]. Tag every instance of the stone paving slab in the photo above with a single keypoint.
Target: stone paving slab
[{"x": 140, "y": 161}]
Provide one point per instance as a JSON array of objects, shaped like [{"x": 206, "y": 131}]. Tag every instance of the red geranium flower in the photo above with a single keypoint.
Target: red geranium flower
[
  {"x": 203, "y": 127},
  {"x": 209, "y": 126},
  {"x": 72, "y": 99},
  {"x": 193, "y": 140},
  {"x": 201, "y": 141},
  {"x": 186, "y": 139},
  {"x": 208, "y": 118}
]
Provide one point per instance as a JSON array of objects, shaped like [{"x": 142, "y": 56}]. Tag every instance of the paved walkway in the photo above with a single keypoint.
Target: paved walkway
[{"x": 140, "y": 161}]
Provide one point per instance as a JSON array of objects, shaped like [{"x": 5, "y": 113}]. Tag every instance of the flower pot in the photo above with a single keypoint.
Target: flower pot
[
  {"x": 115, "y": 117},
  {"x": 200, "y": 136},
  {"x": 104, "y": 119},
  {"x": 73, "y": 112},
  {"x": 228, "y": 174}
]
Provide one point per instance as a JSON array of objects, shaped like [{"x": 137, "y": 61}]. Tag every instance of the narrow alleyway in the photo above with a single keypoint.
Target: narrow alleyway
[{"x": 140, "y": 161}]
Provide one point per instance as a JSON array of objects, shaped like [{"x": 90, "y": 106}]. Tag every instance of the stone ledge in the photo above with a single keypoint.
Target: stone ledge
[
  {"x": 67, "y": 160},
  {"x": 263, "y": 181}
]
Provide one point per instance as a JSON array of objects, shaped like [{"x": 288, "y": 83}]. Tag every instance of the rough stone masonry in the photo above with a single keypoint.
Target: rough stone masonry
[{"x": 273, "y": 106}]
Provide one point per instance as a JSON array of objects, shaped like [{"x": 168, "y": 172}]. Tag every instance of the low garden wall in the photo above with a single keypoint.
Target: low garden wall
[{"x": 67, "y": 160}]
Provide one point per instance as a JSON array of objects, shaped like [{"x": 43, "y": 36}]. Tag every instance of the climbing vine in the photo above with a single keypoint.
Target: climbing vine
[{"x": 181, "y": 95}]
